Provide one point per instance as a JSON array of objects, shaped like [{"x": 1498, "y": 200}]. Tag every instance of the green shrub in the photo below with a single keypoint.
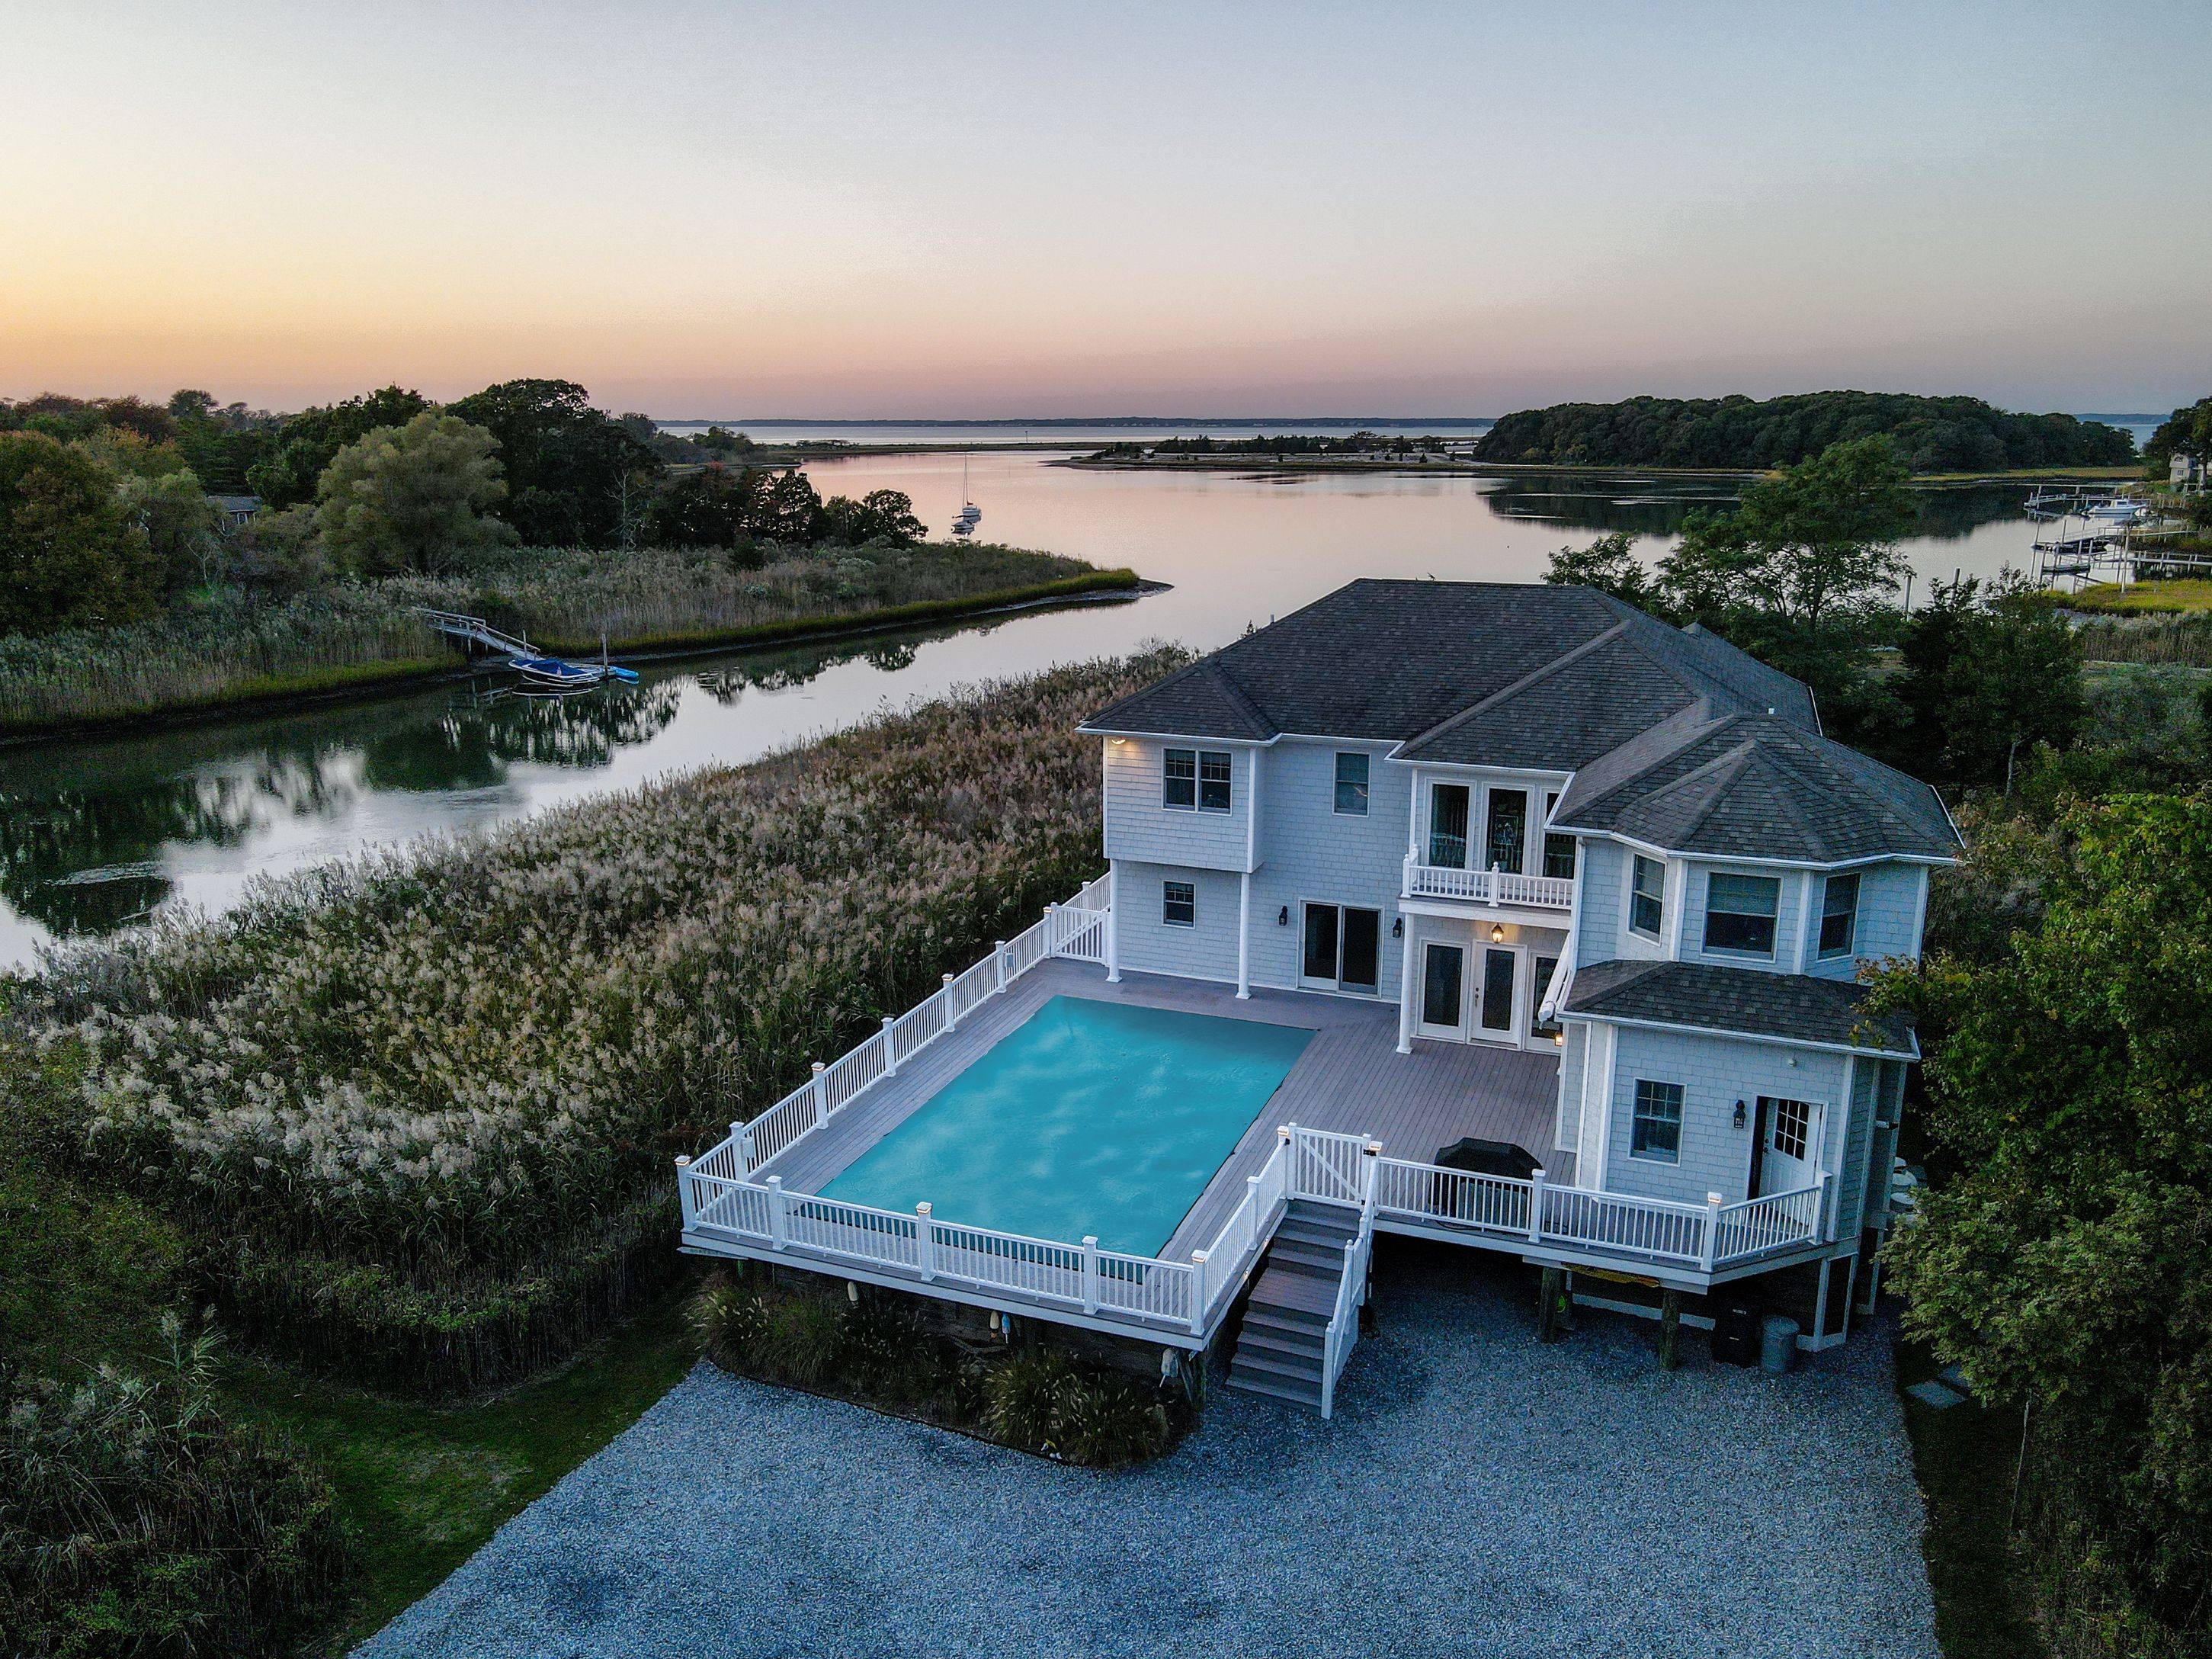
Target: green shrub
[
  {"x": 731, "y": 1324},
  {"x": 805, "y": 1338},
  {"x": 1043, "y": 1402},
  {"x": 134, "y": 1520},
  {"x": 1022, "y": 1403}
]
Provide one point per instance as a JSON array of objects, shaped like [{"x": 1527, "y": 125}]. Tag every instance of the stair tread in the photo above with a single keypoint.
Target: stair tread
[
  {"x": 1291, "y": 1391},
  {"x": 1305, "y": 1292},
  {"x": 1283, "y": 1365},
  {"x": 1292, "y": 1319},
  {"x": 1307, "y": 1339},
  {"x": 1314, "y": 1232}
]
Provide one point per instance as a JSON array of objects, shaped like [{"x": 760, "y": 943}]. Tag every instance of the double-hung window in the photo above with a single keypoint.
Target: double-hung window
[
  {"x": 1655, "y": 1130},
  {"x": 1195, "y": 779},
  {"x": 1647, "y": 896},
  {"x": 1179, "y": 903},
  {"x": 1839, "y": 916},
  {"x": 1350, "y": 784},
  {"x": 1740, "y": 913}
]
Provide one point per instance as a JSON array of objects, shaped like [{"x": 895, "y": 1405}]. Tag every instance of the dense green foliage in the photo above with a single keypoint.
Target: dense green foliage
[
  {"x": 421, "y": 1108},
  {"x": 2187, "y": 431},
  {"x": 753, "y": 509},
  {"x": 2066, "y": 1263},
  {"x": 1934, "y": 435},
  {"x": 137, "y": 1519},
  {"x": 878, "y": 1349},
  {"x": 574, "y": 477},
  {"x": 416, "y": 497},
  {"x": 68, "y": 551},
  {"x": 1284, "y": 444}
]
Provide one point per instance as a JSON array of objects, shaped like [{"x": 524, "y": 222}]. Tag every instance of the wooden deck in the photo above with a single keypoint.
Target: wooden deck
[{"x": 1351, "y": 1079}]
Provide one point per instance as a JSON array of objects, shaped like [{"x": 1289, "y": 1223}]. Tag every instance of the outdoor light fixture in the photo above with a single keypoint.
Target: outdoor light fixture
[
  {"x": 1283, "y": 917},
  {"x": 1739, "y": 1115},
  {"x": 1497, "y": 932},
  {"x": 1398, "y": 928}
]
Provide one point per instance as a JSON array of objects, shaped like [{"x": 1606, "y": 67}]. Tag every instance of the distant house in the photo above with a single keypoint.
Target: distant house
[
  {"x": 2188, "y": 471},
  {"x": 1574, "y": 905},
  {"x": 234, "y": 511}
]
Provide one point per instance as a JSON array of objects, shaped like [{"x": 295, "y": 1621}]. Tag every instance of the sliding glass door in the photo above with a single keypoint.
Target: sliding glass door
[{"x": 1342, "y": 948}]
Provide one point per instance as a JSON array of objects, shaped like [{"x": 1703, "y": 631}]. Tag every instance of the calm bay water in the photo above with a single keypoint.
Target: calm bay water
[{"x": 94, "y": 835}]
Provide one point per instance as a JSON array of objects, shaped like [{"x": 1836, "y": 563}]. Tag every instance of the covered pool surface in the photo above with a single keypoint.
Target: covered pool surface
[{"x": 1091, "y": 1118}]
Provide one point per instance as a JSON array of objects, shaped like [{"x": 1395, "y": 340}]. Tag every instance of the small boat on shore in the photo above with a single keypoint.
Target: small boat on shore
[{"x": 556, "y": 674}]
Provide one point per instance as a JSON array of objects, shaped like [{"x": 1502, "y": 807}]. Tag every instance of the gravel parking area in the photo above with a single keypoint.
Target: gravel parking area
[{"x": 1477, "y": 1493}]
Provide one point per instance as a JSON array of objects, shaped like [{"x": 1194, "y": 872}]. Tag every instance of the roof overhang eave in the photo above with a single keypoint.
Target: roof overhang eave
[{"x": 1584, "y": 1016}]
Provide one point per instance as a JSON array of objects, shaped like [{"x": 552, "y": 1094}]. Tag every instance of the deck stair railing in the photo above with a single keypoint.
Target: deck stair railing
[
  {"x": 1493, "y": 886},
  {"x": 456, "y": 625}
]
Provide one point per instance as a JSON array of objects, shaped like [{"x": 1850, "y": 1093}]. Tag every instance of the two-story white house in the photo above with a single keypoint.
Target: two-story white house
[{"x": 1505, "y": 916}]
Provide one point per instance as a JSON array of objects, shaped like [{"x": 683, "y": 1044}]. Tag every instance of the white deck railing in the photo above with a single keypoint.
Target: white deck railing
[
  {"x": 1493, "y": 886},
  {"x": 1701, "y": 1237}
]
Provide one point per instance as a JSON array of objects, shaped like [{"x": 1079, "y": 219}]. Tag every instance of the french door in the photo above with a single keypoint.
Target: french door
[
  {"x": 1444, "y": 990},
  {"x": 1500, "y": 994},
  {"x": 1447, "y": 824},
  {"x": 1789, "y": 1136},
  {"x": 1343, "y": 948}
]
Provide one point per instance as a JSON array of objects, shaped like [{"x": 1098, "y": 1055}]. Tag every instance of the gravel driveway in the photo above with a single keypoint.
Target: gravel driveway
[{"x": 1477, "y": 1493}]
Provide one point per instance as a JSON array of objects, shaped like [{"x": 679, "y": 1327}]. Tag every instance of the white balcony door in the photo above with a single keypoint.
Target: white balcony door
[
  {"x": 1441, "y": 1011},
  {"x": 1502, "y": 972},
  {"x": 1789, "y": 1136}
]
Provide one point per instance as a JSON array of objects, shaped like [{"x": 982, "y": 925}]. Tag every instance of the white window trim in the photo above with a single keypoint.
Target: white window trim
[
  {"x": 1705, "y": 917},
  {"x": 1167, "y": 806},
  {"x": 1682, "y": 1119},
  {"x": 1628, "y": 909},
  {"x": 1821, "y": 953},
  {"x": 1172, "y": 882},
  {"x": 1367, "y": 807}
]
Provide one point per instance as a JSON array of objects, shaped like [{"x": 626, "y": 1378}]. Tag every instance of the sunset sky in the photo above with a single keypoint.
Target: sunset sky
[{"x": 825, "y": 209}]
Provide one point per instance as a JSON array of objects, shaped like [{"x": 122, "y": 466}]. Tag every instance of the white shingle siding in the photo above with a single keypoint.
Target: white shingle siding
[
  {"x": 1139, "y": 827},
  {"x": 1207, "y": 950},
  {"x": 1889, "y": 908},
  {"x": 1714, "y": 1072},
  {"x": 1605, "y": 867},
  {"x": 1313, "y": 852},
  {"x": 1573, "y": 1054}
]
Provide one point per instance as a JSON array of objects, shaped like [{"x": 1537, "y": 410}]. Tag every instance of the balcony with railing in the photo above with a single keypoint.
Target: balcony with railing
[{"x": 1498, "y": 888}]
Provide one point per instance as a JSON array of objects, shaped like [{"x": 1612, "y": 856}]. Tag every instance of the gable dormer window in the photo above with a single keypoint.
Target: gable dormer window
[
  {"x": 1839, "y": 916},
  {"x": 1740, "y": 912},
  {"x": 1647, "y": 896},
  {"x": 1194, "y": 779}
]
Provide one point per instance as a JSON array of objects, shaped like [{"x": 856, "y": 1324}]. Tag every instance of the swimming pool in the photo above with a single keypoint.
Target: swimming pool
[{"x": 1089, "y": 1118}]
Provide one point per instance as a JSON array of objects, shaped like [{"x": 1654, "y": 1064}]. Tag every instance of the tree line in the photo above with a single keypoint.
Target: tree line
[
  {"x": 105, "y": 518},
  {"x": 1932, "y": 435}
]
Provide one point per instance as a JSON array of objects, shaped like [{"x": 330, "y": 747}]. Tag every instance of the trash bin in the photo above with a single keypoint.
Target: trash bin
[
  {"x": 1735, "y": 1333},
  {"x": 1777, "y": 1344}
]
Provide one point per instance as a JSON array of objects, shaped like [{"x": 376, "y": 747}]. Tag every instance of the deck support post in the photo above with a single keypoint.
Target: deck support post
[
  {"x": 1244, "y": 937},
  {"x": 1091, "y": 1273},
  {"x": 1826, "y": 1223},
  {"x": 1113, "y": 924},
  {"x": 1051, "y": 930},
  {"x": 999, "y": 956},
  {"x": 815, "y": 1068},
  {"x": 952, "y": 1022},
  {"x": 924, "y": 1242},
  {"x": 1709, "y": 1249},
  {"x": 890, "y": 1048},
  {"x": 685, "y": 1200},
  {"x": 1547, "y": 1306},
  {"x": 776, "y": 1220},
  {"x": 1406, "y": 990},
  {"x": 1670, "y": 1326},
  {"x": 1197, "y": 1293},
  {"x": 1536, "y": 1207}
]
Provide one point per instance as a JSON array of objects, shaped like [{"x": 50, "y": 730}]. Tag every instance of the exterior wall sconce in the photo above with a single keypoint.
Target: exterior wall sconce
[
  {"x": 1398, "y": 928},
  {"x": 1497, "y": 932},
  {"x": 1739, "y": 1115},
  {"x": 1283, "y": 917}
]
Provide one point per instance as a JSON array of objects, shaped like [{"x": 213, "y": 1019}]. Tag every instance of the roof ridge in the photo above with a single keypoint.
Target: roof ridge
[
  {"x": 1534, "y": 675},
  {"x": 1719, "y": 723},
  {"x": 1854, "y": 791},
  {"x": 1239, "y": 695}
]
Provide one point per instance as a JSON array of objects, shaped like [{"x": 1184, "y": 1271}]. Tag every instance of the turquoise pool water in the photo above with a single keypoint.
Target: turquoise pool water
[{"x": 1090, "y": 1118}]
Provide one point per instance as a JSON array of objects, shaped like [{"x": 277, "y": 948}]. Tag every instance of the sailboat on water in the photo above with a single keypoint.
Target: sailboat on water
[{"x": 969, "y": 515}]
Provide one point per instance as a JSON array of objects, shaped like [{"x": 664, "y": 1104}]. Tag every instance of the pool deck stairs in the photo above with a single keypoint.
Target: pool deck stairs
[{"x": 1282, "y": 1347}]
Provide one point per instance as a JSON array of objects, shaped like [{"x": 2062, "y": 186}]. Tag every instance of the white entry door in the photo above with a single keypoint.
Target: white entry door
[
  {"x": 1497, "y": 993},
  {"x": 1789, "y": 1144},
  {"x": 1443, "y": 1007}
]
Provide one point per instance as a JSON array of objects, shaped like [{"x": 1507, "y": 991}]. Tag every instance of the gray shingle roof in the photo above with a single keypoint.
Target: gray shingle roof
[
  {"x": 1395, "y": 659},
  {"x": 1795, "y": 1007},
  {"x": 1754, "y": 786}
]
